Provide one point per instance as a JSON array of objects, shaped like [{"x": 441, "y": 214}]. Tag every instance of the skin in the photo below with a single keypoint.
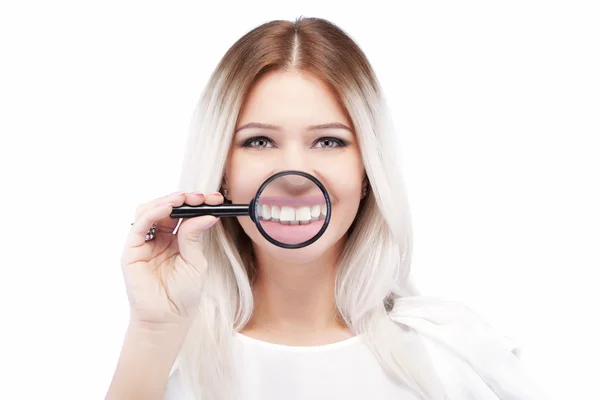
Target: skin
[{"x": 294, "y": 296}]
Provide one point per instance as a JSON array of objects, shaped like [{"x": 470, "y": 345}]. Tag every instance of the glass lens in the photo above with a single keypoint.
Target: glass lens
[{"x": 292, "y": 209}]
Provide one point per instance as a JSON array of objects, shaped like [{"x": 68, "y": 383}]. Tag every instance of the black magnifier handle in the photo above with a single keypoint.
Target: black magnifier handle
[{"x": 220, "y": 210}]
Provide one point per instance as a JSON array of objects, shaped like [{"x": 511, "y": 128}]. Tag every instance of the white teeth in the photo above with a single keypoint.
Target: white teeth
[
  {"x": 315, "y": 211},
  {"x": 266, "y": 211},
  {"x": 275, "y": 212},
  {"x": 287, "y": 214},
  {"x": 303, "y": 214}
]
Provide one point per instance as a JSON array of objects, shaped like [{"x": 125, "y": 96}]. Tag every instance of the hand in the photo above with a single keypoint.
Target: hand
[{"x": 164, "y": 276}]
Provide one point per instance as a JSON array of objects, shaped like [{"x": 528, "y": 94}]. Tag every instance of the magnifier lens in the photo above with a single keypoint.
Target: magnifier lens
[{"x": 292, "y": 210}]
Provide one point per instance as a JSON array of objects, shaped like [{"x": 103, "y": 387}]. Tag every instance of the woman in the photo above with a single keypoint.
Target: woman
[{"x": 218, "y": 312}]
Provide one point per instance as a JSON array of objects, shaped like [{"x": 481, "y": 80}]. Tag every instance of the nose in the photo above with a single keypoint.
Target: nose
[
  {"x": 293, "y": 185},
  {"x": 295, "y": 157}
]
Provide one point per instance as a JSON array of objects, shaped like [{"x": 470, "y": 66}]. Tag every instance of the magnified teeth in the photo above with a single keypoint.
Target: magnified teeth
[
  {"x": 303, "y": 214},
  {"x": 288, "y": 215},
  {"x": 275, "y": 212},
  {"x": 315, "y": 212},
  {"x": 266, "y": 211}
]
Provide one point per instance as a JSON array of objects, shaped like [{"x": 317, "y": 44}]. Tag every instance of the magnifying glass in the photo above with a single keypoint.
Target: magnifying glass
[{"x": 291, "y": 209}]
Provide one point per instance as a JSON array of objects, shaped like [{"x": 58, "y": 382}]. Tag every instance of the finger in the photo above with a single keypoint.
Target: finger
[
  {"x": 165, "y": 224},
  {"x": 176, "y": 198},
  {"x": 191, "y": 230},
  {"x": 213, "y": 199},
  {"x": 158, "y": 213},
  {"x": 194, "y": 198}
]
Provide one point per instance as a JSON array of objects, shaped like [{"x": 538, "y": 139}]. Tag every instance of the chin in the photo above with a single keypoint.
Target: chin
[{"x": 304, "y": 255}]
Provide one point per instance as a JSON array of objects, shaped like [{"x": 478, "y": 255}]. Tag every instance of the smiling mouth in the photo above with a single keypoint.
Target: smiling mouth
[{"x": 292, "y": 215}]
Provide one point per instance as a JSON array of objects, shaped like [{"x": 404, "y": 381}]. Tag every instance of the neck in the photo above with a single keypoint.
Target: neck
[{"x": 295, "y": 303}]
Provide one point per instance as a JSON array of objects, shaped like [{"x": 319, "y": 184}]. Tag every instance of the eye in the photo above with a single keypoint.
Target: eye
[
  {"x": 330, "y": 143},
  {"x": 258, "y": 142}
]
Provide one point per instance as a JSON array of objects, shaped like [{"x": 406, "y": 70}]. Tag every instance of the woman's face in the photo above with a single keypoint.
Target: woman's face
[{"x": 287, "y": 123}]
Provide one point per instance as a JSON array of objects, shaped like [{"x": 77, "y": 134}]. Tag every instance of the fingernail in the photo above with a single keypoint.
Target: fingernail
[
  {"x": 215, "y": 193},
  {"x": 212, "y": 223},
  {"x": 177, "y": 194},
  {"x": 198, "y": 193}
]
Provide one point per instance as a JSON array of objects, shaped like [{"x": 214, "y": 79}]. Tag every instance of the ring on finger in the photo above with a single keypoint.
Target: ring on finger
[{"x": 151, "y": 234}]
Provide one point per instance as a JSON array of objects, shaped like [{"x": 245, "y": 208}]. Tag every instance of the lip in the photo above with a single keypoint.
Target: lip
[
  {"x": 292, "y": 234},
  {"x": 292, "y": 201}
]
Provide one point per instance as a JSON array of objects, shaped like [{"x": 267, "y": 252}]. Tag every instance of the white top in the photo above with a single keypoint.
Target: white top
[
  {"x": 344, "y": 370},
  {"x": 463, "y": 356}
]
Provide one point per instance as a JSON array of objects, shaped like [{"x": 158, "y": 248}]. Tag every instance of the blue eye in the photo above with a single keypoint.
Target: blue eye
[
  {"x": 330, "y": 142},
  {"x": 257, "y": 142}
]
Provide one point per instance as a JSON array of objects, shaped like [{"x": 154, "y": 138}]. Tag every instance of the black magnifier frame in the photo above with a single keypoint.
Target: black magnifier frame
[
  {"x": 327, "y": 203},
  {"x": 251, "y": 210}
]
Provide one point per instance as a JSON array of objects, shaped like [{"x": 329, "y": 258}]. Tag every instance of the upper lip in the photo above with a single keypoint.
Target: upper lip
[{"x": 292, "y": 201}]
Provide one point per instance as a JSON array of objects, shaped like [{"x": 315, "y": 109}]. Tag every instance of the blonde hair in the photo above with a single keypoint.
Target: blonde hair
[{"x": 370, "y": 278}]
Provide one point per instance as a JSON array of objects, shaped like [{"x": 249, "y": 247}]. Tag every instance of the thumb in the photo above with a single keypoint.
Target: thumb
[{"x": 191, "y": 229}]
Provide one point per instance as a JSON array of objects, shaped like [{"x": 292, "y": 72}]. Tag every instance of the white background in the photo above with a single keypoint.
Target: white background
[{"x": 497, "y": 105}]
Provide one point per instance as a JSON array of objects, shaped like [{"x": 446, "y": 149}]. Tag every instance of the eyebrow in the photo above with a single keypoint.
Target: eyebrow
[{"x": 332, "y": 125}]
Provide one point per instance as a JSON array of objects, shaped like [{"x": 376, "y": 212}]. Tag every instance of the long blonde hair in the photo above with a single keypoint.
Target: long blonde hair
[{"x": 370, "y": 278}]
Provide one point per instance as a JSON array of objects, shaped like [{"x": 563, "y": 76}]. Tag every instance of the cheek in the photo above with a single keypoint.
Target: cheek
[
  {"x": 344, "y": 181},
  {"x": 346, "y": 205},
  {"x": 243, "y": 179},
  {"x": 242, "y": 190},
  {"x": 349, "y": 189},
  {"x": 346, "y": 197}
]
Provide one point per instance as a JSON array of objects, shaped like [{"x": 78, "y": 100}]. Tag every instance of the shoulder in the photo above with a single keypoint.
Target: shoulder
[
  {"x": 449, "y": 321},
  {"x": 470, "y": 357}
]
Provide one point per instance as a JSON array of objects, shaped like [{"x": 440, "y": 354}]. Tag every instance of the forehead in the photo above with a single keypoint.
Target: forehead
[{"x": 287, "y": 98}]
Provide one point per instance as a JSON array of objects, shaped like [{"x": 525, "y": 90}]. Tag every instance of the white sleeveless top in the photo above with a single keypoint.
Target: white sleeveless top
[{"x": 463, "y": 356}]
